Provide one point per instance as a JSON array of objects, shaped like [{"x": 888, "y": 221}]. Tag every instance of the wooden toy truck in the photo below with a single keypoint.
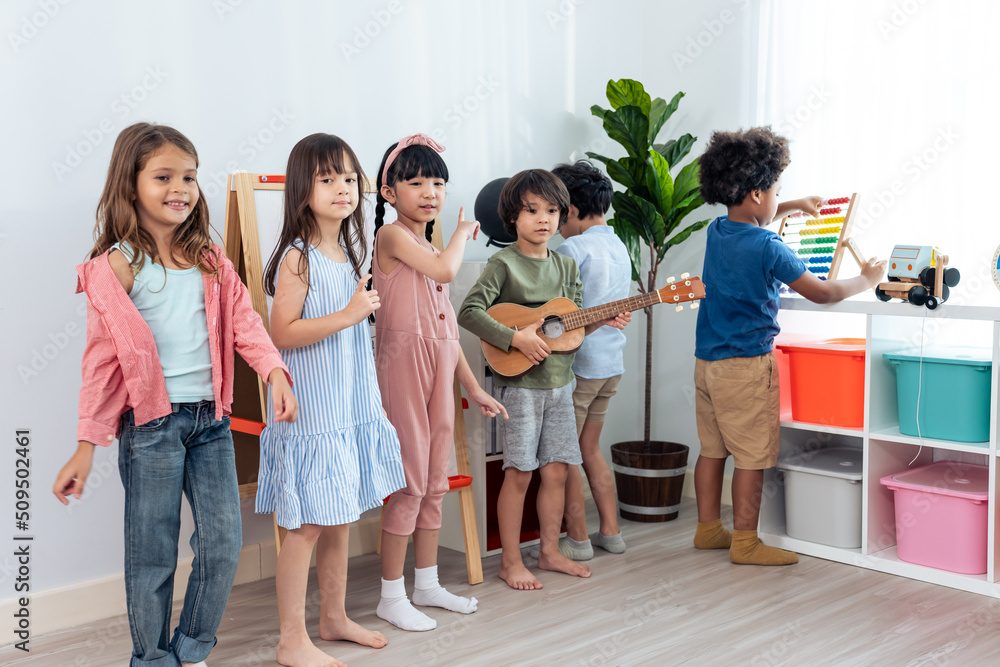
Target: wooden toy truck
[{"x": 918, "y": 274}]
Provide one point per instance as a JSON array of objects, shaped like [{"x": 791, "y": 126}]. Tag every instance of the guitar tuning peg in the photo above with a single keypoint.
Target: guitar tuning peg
[
  {"x": 685, "y": 276},
  {"x": 670, "y": 279},
  {"x": 694, "y": 305},
  {"x": 679, "y": 307}
]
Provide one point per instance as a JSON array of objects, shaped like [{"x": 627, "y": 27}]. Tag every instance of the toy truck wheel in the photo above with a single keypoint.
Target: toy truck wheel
[
  {"x": 927, "y": 276},
  {"x": 951, "y": 277},
  {"x": 917, "y": 295},
  {"x": 882, "y": 296},
  {"x": 931, "y": 303}
]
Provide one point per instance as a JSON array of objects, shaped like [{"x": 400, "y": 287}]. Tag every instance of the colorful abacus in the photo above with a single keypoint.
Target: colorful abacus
[{"x": 821, "y": 242}]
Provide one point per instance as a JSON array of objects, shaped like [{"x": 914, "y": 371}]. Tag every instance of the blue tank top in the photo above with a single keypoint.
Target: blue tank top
[{"x": 173, "y": 305}]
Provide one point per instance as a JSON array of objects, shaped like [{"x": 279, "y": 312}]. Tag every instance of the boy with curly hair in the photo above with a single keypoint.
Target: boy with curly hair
[{"x": 736, "y": 376}]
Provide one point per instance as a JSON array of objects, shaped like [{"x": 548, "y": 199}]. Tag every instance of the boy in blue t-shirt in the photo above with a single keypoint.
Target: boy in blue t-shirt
[
  {"x": 606, "y": 274},
  {"x": 736, "y": 377}
]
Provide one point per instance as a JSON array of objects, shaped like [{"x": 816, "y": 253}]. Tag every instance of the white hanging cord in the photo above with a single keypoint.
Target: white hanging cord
[{"x": 920, "y": 382}]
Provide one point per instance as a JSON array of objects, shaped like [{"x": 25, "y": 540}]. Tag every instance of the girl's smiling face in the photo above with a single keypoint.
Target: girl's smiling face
[
  {"x": 417, "y": 200},
  {"x": 335, "y": 196},
  {"x": 166, "y": 190}
]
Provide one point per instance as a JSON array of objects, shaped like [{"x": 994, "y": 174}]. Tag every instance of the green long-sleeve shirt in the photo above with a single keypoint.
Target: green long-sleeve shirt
[{"x": 512, "y": 277}]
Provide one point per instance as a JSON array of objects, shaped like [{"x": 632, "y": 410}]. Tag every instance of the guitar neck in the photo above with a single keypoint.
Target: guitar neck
[{"x": 582, "y": 318}]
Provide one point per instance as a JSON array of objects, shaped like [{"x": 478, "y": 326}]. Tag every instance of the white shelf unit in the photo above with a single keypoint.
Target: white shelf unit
[{"x": 889, "y": 327}]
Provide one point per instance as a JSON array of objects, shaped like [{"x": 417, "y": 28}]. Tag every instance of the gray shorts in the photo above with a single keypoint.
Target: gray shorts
[{"x": 541, "y": 428}]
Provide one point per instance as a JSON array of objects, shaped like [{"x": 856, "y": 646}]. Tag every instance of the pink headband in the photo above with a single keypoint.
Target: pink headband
[{"x": 418, "y": 139}]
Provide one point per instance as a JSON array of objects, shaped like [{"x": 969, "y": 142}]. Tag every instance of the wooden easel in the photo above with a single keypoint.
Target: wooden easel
[{"x": 241, "y": 239}]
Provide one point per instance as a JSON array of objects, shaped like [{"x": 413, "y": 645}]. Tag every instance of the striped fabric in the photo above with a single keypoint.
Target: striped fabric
[{"x": 341, "y": 457}]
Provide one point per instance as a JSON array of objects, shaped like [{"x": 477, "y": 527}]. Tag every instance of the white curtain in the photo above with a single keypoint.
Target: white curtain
[{"x": 896, "y": 101}]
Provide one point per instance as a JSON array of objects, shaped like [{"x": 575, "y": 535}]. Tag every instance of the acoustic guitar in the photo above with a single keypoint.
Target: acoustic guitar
[{"x": 563, "y": 330}]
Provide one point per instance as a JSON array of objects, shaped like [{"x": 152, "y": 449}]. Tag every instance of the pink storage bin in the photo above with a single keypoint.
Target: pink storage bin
[{"x": 942, "y": 515}]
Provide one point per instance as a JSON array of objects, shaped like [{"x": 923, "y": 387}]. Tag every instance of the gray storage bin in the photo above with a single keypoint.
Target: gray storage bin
[{"x": 823, "y": 496}]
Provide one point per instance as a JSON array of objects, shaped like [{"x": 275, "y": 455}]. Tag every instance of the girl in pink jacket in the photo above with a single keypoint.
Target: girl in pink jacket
[{"x": 165, "y": 311}]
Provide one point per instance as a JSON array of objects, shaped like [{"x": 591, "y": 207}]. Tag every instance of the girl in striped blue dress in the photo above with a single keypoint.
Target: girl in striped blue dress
[{"x": 341, "y": 457}]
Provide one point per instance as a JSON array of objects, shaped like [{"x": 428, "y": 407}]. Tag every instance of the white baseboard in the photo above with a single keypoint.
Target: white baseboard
[{"x": 103, "y": 598}]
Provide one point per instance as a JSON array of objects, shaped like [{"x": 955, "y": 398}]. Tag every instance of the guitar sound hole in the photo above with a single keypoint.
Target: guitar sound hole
[{"x": 553, "y": 327}]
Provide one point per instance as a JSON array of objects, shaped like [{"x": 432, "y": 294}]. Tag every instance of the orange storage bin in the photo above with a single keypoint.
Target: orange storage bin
[{"x": 827, "y": 381}]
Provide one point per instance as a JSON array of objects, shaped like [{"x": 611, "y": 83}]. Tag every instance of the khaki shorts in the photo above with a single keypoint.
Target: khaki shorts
[
  {"x": 591, "y": 398},
  {"x": 738, "y": 410}
]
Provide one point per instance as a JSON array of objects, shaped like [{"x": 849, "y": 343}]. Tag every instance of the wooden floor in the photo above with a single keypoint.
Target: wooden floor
[{"x": 661, "y": 603}]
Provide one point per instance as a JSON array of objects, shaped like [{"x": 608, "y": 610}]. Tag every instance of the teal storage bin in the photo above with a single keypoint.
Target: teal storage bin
[{"x": 954, "y": 392}]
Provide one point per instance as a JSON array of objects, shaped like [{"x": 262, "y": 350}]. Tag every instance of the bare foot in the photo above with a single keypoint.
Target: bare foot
[
  {"x": 304, "y": 654},
  {"x": 519, "y": 577},
  {"x": 559, "y": 563},
  {"x": 348, "y": 630}
]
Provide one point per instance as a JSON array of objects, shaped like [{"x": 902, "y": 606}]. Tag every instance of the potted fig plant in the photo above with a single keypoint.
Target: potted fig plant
[{"x": 649, "y": 217}]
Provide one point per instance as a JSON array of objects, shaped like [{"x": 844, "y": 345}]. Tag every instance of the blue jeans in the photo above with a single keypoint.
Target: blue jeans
[{"x": 188, "y": 452}]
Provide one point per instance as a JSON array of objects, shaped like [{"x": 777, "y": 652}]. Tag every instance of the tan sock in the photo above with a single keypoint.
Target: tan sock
[
  {"x": 711, "y": 535},
  {"x": 747, "y": 549}
]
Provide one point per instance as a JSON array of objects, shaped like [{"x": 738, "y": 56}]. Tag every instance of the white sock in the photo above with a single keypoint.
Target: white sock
[
  {"x": 395, "y": 608},
  {"x": 428, "y": 592}
]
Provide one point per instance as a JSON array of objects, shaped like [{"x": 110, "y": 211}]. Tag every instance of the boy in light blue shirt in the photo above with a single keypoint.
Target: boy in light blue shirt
[{"x": 606, "y": 274}]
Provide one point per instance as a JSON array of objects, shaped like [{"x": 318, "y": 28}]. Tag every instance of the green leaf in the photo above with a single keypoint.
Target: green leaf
[
  {"x": 641, "y": 215},
  {"x": 657, "y": 117},
  {"x": 677, "y": 214},
  {"x": 630, "y": 172},
  {"x": 598, "y": 111},
  {"x": 686, "y": 183},
  {"x": 632, "y": 242},
  {"x": 683, "y": 235},
  {"x": 629, "y": 126},
  {"x": 659, "y": 182},
  {"x": 675, "y": 151},
  {"x": 672, "y": 107},
  {"x": 665, "y": 147},
  {"x": 628, "y": 92},
  {"x": 599, "y": 157}
]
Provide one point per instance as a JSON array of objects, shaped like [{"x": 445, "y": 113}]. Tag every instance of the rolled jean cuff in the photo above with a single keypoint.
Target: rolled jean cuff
[
  {"x": 168, "y": 660},
  {"x": 191, "y": 650}
]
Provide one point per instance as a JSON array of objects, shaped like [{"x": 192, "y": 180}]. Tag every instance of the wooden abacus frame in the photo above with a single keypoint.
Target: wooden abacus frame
[{"x": 844, "y": 240}]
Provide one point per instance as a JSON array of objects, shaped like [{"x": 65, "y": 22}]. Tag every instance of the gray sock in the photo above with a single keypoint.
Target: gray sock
[
  {"x": 613, "y": 543},
  {"x": 576, "y": 550}
]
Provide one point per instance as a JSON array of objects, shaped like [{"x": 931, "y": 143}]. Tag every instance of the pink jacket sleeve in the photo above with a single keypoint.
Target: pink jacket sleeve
[
  {"x": 250, "y": 338},
  {"x": 103, "y": 395}
]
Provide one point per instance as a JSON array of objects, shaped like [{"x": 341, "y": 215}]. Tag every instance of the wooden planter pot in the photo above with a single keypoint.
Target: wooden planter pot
[{"x": 649, "y": 479}]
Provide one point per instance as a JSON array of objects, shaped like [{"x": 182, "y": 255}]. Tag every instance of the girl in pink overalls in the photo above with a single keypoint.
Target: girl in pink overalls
[{"x": 417, "y": 357}]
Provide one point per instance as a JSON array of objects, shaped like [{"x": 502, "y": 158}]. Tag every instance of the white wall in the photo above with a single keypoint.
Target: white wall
[{"x": 505, "y": 86}]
